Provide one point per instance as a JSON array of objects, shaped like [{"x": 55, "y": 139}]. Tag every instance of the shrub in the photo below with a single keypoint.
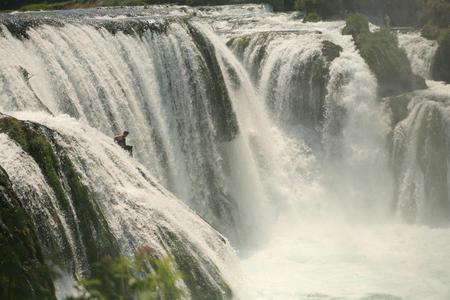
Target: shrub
[
  {"x": 356, "y": 24},
  {"x": 143, "y": 277},
  {"x": 312, "y": 17},
  {"x": 430, "y": 31}
]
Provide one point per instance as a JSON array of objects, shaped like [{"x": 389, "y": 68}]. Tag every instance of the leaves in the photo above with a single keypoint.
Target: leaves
[{"x": 143, "y": 277}]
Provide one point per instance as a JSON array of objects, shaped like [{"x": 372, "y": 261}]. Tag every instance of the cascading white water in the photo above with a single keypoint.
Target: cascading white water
[
  {"x": 138, "y": 210},
  {"x": 342, "y": 242},
  {"x": 420, "y": 52},
  {"x": 156, "y": 87},
  {"x": 285, "y": 149}
]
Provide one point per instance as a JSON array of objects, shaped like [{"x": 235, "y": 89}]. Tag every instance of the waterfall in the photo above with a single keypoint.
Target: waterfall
[
  {"x": 137, "y": 211},
  {"x": 156, "y": 86},
  {"x": 328, "y": 102},
  {"x": 269, "y": 130},
  {"x": 420, "y": 156},
  {"x": 420, "y": 52}
]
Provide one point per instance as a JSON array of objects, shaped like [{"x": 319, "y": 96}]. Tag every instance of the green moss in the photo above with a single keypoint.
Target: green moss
[
  {"x": 94, "y": 233},
  {"x": 311, "y": 17},
  {"x": 441, "y": 65},
  {"x": 239, "y": 44},
  {"x": 330, "y": 50},
  {"x": 436, "y": 13},
  {"x": 123, "y": 2},
  {"x": 44, "y": 6},
  {"x": 384, "y": 57},
  {"x": 430, "y": 31},
  {"x": 23, "y": 272},
  {"x": 97, "y": 238},
  {"x": 201, "y": 286},
  {"x": 299, "y": 4},
  {"x": 356, "y": 24},
  {"x": 40, "y": 149},
  {"x": 13, "y": 128}
]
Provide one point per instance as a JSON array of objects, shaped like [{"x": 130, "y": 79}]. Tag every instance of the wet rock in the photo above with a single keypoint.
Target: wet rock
[
  {"x": 331, "y": 50},
  {"x": 23, "y": 270},
  {"x": 441, "y": 65}
]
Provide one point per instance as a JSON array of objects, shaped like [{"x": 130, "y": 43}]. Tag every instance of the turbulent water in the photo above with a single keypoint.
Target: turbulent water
[{"x": 325, "y": 190}]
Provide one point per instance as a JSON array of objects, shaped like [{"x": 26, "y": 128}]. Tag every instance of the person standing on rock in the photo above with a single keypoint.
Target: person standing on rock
[{"x": 121, "y": 140}]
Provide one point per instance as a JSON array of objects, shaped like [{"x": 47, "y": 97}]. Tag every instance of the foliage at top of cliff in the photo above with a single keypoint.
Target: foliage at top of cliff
[
  {"x": 384, "y": 57},
  {"x": 355, "y": 25}
]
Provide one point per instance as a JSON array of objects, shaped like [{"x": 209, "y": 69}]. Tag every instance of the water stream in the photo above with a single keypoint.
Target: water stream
[{"x": 325, "y": 190}]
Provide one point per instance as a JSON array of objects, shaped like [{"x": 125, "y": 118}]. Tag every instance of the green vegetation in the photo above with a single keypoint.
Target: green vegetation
[
  {"x": 125, "y": 2},
  {"x": 45, "y": 6},
  {"x": 94, "y": 232},
  {"x": 143, "y": 277},
  {"x": 441, "y": 64},
  {"x": 435, "y": 18},
  {"x": 385, "y": 58},
  {"x": 355, "y": 25},
  {"x": 201, "y": 287},
  {"x": 435, "y": 15},
  {"x": 23, "y": 272},
  {"x": 312, "y": 17}
]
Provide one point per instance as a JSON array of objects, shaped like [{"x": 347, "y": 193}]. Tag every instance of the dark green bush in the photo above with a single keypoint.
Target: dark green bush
[
  {"x": 312, "y": 17},
  {"x": 441, "y": 64},
  {"x": 143, "y": 277},
  {"x": 430, "y": 31},
  {"x": 356, "y": 24},
  {"x": 436, "y": 13}
]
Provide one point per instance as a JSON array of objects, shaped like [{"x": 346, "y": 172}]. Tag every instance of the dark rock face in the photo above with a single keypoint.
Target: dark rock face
[
  {"x": 441, "y": 65},
  {"x": 19, "y": 27},
  {"x": 23, "y": 271},
  {"x": 331, "y": 50},
  {"x": 224, "y": 117},
  {"x": 398, "y": 107},
  {"x": 132, "y": 27}
]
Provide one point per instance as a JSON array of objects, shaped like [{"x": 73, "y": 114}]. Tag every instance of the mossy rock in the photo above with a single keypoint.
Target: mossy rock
[
  {"x": 201, "y": 277},
  {"x": 74, "y": 198},
  {"x": 23, "y": 270},
  {"x": 312, "y": 17},
  {"x": 441, "y": 65},
  {"x": 398, "y": 107},
  {"x": 239, "y": 44},
  {"x": 225, "y": 120},
  {"x": 330, "y": 50},
  {"x": 430, "y": 32},
  {"x": 384, "y": 57},
  {"x": 355, "y": 25}
]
